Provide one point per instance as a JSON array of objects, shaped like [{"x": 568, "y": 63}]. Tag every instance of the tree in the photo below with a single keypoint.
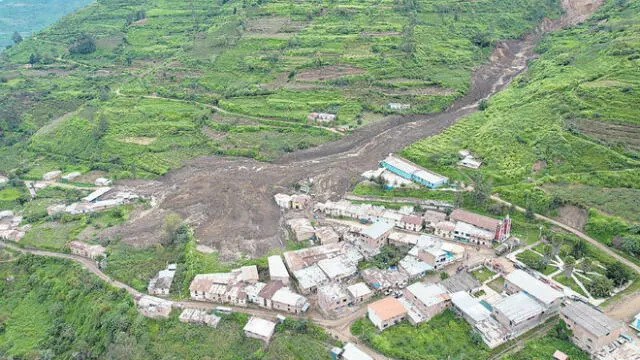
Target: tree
[
  {"x": 547, "y": 252},
  {"x": 556, "y": 243},
  {"x": 444, "y": 275},
  {"x": 579, "y": 249},
  {"x": 170, "y": 228},
  {"x": 618, "y": 273},
  {"x": 600, "y": 287},
  {"x": 84, "y": 45},
  {"x": 569, "y": 265},
  {"x": 34, "y": 59},
  {"x": 100, "y": 129},
  {"x": 529, "y": 213},
  {"x": 586, "y": 265},
  {"x": 16, "y": 37},
  {"x": 561, "y": 331},
  {"x": 481, "y": 189}
]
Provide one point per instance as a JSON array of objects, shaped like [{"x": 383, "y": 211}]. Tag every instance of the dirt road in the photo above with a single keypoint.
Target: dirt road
[{"x": 230, "y": 201}]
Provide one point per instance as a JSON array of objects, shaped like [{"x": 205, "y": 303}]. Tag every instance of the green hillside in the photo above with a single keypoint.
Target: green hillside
[
  {"x": 52, "y": 309},
  {"x": 566, "y": 131},
  {"x": 139, "y": 80}
]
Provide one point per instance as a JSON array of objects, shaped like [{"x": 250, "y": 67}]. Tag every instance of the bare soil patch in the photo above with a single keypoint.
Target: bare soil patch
[
  {"x": 381, "y": 33},
  {"x": 573, "y": 216},
  {"x": 139, "y": 22},
  {"x": 212, "y": 134},
  {"x": 428, "y": 90},
  {"x": 141, "y": 140},
  {"x": 327, "y": 72},
  {"x": 282, "y": 82},
  {"x": 266, "y": 25},
  {"x": 91, "y": 176},
  {"x": 538, "y": 165}
]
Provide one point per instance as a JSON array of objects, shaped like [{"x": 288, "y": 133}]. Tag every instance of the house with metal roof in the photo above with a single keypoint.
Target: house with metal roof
[
  {"x": 413, "y": 172},
  {"x": 277, "y": 270},
  {"x": 519, "y": 280},
  {"x": 592, "y": 330},
  {"x": 518, "y": 313},
  {"x": 430, "y": 299}
]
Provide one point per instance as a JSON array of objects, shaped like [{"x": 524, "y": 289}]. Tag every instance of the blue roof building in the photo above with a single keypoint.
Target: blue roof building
[{"x": 413, "y": 172}]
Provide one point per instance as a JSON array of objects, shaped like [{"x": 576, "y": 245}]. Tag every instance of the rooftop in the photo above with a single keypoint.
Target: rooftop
[
  {"x": 261, "y": 327},
  {"x": 470, "y": 306},
  {"x": 276, "y": 267},
  {"x": 302, "y": 258},
  {"x": 428, "y": 294},
  {"x": 359, "y": 289},
  {"x": 387, "y": 308},
  {"x": 411, "y": 168},
  {"x": 333, "y": 291},
  {"x": 412, "y": 219},
  {"x": 478, "y": 220},
  {"x": 351, "y": 352},
  {"x": 310, "y": 276},
  {"x": 414, "y": 266},
  {"x": 377, "y": 230},
  {"x": 435, "y": 217},
  {"x": 269, "y": 289},
  {"x": 286, "y": 296},
  {"x": 466, "y": 228},
  {"x": 590, "y": 319},
  {"x": 534, "y": 287},
  {"x": 518, "y": 307},
  {"x": 462, "y": 281},
  {"x": 337, "y": 267}
]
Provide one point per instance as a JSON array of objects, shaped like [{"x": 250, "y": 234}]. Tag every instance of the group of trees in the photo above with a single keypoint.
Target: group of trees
[{"x": 84, "y": 45}]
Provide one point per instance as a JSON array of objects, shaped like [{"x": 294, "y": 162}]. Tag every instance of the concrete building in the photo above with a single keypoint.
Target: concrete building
[
  {"x": 154, "y": 307},
  {"x": 414, "y": 267},
  {"x": 386, "y": 312},
  {"x": 283, "y": 200},
  {"x": 96, "y": 194},
  {"x": 462, "y": 281},
  {"x": 469, "y": 307},
  {"x": 286, "y": 300},
  {"x": 333, "y": 299},
  {"x": 260, "y": 329},
  {"x": 518, "y": 313},
  {"x": 161, "y": 283},
  {"x": 71, "y": 176},
  {"x": 400, "y": 238},
  {"x": 102, "y": 182},
  {"x": 253, "y": 293},
  {"x": 444, "y": 229},
  {"x": 199, "y": 317},
  {"x": 413, "y": 172},
  {"x": 301, "y": 228},
  {"x": 382, "y": 280},
  {"x": 338, "y": 268},
  {"x": 211, "y": 287},
  {"x": 398, "y": 106},
  {"x": 592, "y": 330},
  {"x": 411, "y": 223},
  {"x": 277, "y": 270},
  {"x": 430, "y": 299},
  {"x": 89, "y": 251},
  {"x": 359, "y": 293},
  {"x": 519, "y": 280},
  {"x": 310, "y": 278},
  {"x": 326, "y": 235},
  {"x": 500, "y": 229},
  {"x": 321, "y": 117},
  {"x": 373, "y": 237},
  {"x": 299, "y": 259}
]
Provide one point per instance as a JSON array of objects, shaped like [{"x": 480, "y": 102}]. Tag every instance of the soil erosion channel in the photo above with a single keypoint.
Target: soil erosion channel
[{"x": 230, "y": 201}]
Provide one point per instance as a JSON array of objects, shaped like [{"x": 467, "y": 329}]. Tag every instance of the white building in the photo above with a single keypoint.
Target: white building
[
  {"x": 519, "y": 280},
  {"x": 161, "y": 283},
  {"x": 283, "y": 200},
  {"x": 286, "y": 300},
  {"x": 277, "y": 270},
  {"x": 310, "y": 278},
  {"x": 360, "y": 292},
  {"x": 338, "y": 268},
  {"x": 260, "y": 329}
]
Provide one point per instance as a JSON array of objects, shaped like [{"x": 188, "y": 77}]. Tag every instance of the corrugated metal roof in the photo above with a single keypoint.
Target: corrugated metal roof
[
  {"x": 518, "y": 307},
  {"x": 590, "y": 319},
  {"x": 534, "y": 287}
]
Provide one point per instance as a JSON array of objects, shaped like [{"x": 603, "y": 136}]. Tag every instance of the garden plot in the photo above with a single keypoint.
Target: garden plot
[{"x": 328, "y": 72}]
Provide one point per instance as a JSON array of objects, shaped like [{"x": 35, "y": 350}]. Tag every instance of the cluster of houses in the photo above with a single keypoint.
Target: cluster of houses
[
  {"x": 10, "y": 228},
  {"x": 93, "y": 202},
  {"x": 242, "y": 286}
]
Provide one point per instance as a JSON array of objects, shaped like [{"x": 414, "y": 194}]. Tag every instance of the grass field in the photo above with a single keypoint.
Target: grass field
[
  {"x": 544, "y": 347},
  {"x": 483, "y": 274},
  {"x": 565, "y": 131},
  {"x": 53, "y": 309},
  {"x": 141, "y": 99}
]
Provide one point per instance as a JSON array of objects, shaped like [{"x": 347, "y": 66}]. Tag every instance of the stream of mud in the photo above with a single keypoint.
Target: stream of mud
[{"x": 230, "y": 201}]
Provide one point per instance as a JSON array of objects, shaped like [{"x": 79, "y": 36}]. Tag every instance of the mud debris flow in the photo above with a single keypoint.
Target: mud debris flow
[{"x": 230, "y": 201}]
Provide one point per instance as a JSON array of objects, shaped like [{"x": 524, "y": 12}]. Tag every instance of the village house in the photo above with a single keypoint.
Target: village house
[
  {"x": 92, "y": 252},
  {"x": 349, "y": 352},
  {"x": 258, "y": 328},
  {"x": 591, "y": 329},
  {"x": 430, "y": 299},
  {"x": 199, "y": 317},
  {"x": 52, "y": 175},
  {"x": 253, "y": 293},
  {"x": 102, "y": 182},
  {"x": 444, "y": 229},
  {"x": 548, "y": 297},
  {"x": 359, "y": 293},
  {"x": 479, "y": 229},
  {"x": 161, "y": 283},
  {"x": 413, "y": 172},
  {"x": 277, "y": 270},
  {"x": 398, "y": 106},
  {"x": 301, "y": 228},
  {"x": 310, "y": 278},
  {"x": 298, "y": 259},
  {"x": 468, "y": 160},
  {"x": 283, "y": 200},
  {"x": 386, "y": 312},
  {"x": 411, "y": 223},
  {"x": 333, "y": 299},
  {"x": 321, "y": 117},
  {"x": 153, "y": 307},
  {"x": 382, "y": 280},
  {"x": 372, "y": 238},
  {"x": 286, "y": 300},
  {"x": 462, "y": 281},
  {"x": 518, "y": 313},
  {"x": 414, "y": 267},
  {"x": 96, "y": 194},
  {"x": 469, "y": 307},
  {"x": 432, "y": 217},
  {"x": 326, "y": 235},
  {"x": 338, "y": 268},
  {"x": 400, "y": 238},
  {"x": 263, "y": 299},
  {"x": 224, "y": 287},
  {"x": 300, "y": 201}
]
